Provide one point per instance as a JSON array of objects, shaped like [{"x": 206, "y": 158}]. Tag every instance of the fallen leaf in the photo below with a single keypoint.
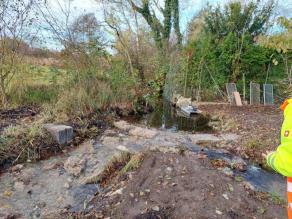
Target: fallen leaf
[
  {"x": 225, "y": 196},
  {"x": 7, "y": 193},
  {"x": 155, "y": 208}
]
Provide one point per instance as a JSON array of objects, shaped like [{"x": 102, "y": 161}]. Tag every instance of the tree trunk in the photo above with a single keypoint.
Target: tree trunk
[
  {"x": 3, "y": 94},
  {"x": 138, "y": 50}
]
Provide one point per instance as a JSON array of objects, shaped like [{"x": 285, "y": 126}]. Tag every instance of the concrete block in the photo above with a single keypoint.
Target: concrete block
[{"x": 62, "y": 134}]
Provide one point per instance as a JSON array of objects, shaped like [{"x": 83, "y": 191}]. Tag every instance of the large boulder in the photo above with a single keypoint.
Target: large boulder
[{"x": 61, "y": 133}]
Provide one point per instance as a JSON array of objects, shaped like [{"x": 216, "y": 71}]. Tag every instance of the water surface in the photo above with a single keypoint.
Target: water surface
[{"x": 165, "y": 116}]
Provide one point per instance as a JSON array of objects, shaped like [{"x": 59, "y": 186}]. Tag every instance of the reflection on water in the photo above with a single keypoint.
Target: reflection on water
[{"x": 167, "y": 117}]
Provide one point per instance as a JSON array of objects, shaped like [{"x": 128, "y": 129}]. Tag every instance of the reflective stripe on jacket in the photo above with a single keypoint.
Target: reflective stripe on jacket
[{"x": 281, "y": 160}]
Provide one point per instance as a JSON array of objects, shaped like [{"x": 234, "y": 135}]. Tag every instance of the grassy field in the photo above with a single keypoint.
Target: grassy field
[
  {"x": 43, "y": 75},
  {"x": 35, "y": 85}
]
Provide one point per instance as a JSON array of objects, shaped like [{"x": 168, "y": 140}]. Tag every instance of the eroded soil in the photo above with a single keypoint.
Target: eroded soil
[{"x": 170, "y": 185}]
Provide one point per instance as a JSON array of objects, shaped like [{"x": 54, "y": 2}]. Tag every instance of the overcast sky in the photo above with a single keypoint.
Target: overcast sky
[{"x": 189, "y": 8}]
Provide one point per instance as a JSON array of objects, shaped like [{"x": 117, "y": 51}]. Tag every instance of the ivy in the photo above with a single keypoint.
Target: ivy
[{"x": 161, "y": 31}]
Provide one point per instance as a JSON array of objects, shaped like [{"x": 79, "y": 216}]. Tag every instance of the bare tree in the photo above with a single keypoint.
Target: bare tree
[
  {"x": 161, "y": 16},
  {"x": 58, "y": 20},
  {"x": 16, "y": 20},
  {"x": 127, "y": 26},
  {"x": 79, "y": 36},
  {"x": 115, "y": 18}
]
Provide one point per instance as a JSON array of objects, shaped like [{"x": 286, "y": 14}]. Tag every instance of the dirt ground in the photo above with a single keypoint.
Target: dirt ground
[
  {"x": 258, "y": 126},
  {"x": 169, "y": 185}
]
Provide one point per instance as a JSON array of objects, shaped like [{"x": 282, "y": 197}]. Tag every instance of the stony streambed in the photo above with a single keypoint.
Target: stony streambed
[{"x": 66, "y": 183}]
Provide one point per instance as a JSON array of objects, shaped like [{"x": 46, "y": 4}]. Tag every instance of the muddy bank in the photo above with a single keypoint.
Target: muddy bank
[
  {"x": 170, "y": 185},
  {"x": 26, "y": 138}
]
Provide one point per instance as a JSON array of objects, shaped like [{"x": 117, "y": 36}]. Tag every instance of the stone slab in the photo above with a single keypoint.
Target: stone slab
[
  {"x": 123, "y": 125},
  {"x": 61, "y": 133},
  {"x": 143, "y": 132}
]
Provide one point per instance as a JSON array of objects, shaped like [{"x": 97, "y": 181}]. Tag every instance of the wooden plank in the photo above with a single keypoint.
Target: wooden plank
[{"x": 237, "y": 98}]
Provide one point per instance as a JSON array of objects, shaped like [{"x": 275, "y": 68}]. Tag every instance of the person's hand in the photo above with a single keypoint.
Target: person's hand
[{"x": 265, "y": 154}]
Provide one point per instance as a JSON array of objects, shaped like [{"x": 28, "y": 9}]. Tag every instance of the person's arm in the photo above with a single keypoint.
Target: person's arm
[
  {"x": 271, "y": 160},
  {"x": 281, "y": 160}
]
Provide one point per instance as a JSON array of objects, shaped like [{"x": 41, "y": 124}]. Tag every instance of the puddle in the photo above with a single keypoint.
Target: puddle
[
  {"x": 83, "y": 194},
  {"x": 265, "y": 181},
  {"x": 165, "y": 116}
]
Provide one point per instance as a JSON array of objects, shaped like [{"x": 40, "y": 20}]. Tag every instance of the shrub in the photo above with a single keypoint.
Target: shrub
[
  {"x": 94, "y": 92},
  {"x": 83, "y": 98}
]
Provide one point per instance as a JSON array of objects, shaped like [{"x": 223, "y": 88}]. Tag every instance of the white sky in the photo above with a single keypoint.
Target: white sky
[{"x": 189, "y": 8}]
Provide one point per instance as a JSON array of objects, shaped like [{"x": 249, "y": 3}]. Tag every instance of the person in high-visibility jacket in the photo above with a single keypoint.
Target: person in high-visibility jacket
[{"x": 281, "y": 159}]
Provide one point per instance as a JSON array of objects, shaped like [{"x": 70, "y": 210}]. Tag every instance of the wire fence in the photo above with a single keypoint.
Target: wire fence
[{"x": 267, "y": 95}]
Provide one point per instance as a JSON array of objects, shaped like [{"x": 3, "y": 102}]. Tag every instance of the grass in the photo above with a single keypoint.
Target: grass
[
  {"x": 120, "y": 165},
  {"x": 255, "y": 144},
  {"x": 44, "y": 74},
  {"x": 36, "y": 85},
  {"x": 33, "y": 94},
  {"x": 83, "y": 98},
  {"x": 21, "y": 143},
  {"x": 133, "y": 164},
  {"x": 74, "y": 92},
  {"x": 276, "y": 199}
]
